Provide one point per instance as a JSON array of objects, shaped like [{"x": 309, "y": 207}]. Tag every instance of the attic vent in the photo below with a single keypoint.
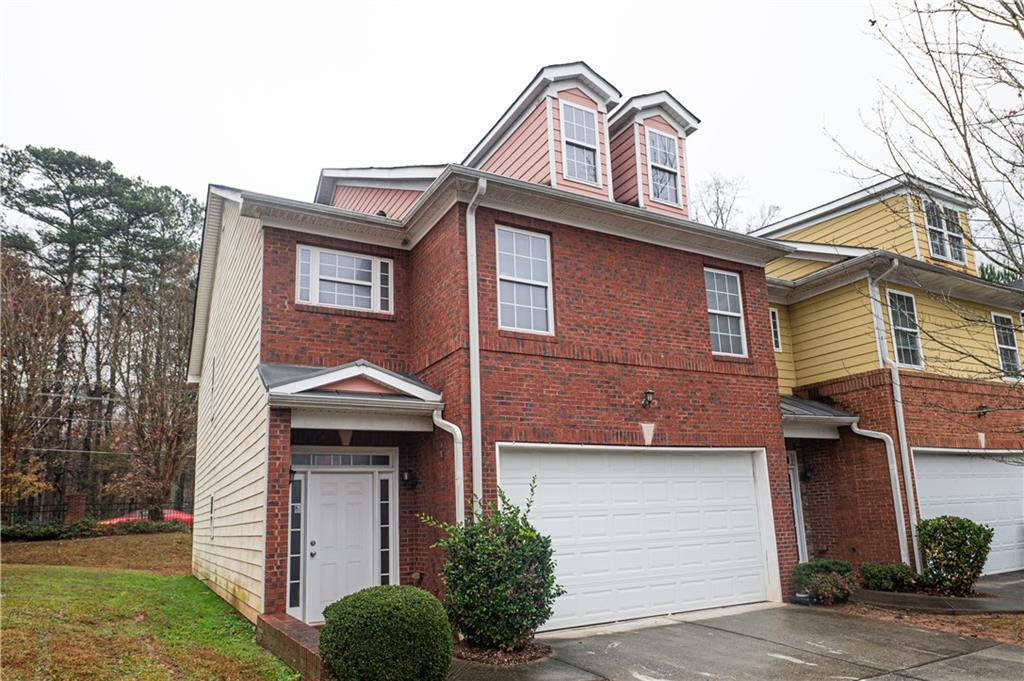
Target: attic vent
[{"x": 382, "y": 214}]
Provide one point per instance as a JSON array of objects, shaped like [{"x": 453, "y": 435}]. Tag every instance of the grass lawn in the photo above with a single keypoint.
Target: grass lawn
[{"x": 66, "y": 621}]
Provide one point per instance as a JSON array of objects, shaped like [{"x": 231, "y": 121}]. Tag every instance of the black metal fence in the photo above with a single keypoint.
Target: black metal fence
[{"x": 70, "y": 510}]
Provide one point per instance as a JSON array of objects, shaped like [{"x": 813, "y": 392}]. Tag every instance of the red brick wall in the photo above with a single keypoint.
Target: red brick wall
[{"x": 275, "y": 586}]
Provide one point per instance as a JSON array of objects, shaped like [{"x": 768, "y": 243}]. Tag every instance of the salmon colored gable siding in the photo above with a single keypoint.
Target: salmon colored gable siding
[
  {"x": 577, "y": 97},
  {"x": 394, "y": 202},
  {"x": 524, "y": 155},
  {"x": 624, "y": 175},
  {"x": 661, "y": 125}
]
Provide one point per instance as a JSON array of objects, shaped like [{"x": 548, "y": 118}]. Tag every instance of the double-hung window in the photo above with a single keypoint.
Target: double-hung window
[
  {"x": 524, "y": 281},
  {"x": 945, "y": 235},
  {"x": 579, "y": 133},
  {"x": 725, "y": 312},
  {"x": 663, "y": 162},
  {"x": 346, "y": 280},
  {"x": 1006, "y": 344},
  {"x": 906, "y": 334},
  {"x": 776, "y": 330}
]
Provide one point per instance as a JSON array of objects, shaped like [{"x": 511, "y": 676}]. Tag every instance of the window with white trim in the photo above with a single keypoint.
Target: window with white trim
[
  {"x": 524, "y": 281},
  {"x": 945, "y": 234},
  {"x": 1006, "y": 344},
  {"x": 725, "y": 312},
  {"x": 579, "y": 130},
  {"x": 663, "y": 164},
  {"x": 906, "y": 335},
  {"x": 346, "y": 280},
  {"x": 776, "y": 330}
]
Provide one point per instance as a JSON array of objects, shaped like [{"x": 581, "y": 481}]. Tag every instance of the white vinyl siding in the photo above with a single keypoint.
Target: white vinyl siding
[
  {"x": 906, "y": 335},
  {"x": 524, "y": 281},
  {"x": 347, "y": 280},
  {"x": 945, "y": 235},
  {"x": 725, "y": 312},
  {"x": 663, "y": 164},
  {"x": 579, "y": 144},
  {"x": 1006, "y": 345},
  {"x": 231, "y": 451}
]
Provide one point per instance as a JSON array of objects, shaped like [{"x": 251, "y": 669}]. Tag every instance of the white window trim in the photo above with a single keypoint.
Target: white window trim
[
  {"x": 927, "y": 229},
  {"x": 892, "y": 328},
  {"x": 773, "y": 314},
  {"x": 374, "y": 283},
  {"x": 549, "y": 286},
  {"x": 651, "y": 165},
  {"x": 999, "y": 346},
  {"x": 565, "y": 143},
  {"x": 741, "y": 315}
]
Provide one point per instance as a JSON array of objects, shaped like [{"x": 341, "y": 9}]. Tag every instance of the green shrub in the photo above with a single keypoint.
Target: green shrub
[
  {"x": 87, "y": 527},
  {"x": 953, "y": 551},
  {"x": 146, "y": 527},
  {"x": 803, "y": 572},
  {"x": 386, "y": 633},
  {"x": 891, "y": 577},
  {"x": 499, "y": 575}
]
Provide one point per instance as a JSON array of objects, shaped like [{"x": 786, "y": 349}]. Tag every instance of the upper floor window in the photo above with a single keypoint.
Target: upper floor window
[
  {"x": 906, "y": 334},
  {"x": 725, "y": 312},
  {"x": 524, "y": 281},
  {"x": 945, "y": 235},
  {"x": 776, "y": 330},
  {"x": 1006, "y": 344},
  {"x": 347, "y": 280},
  {"x": 663, "y": 164},
  {"x": 579, "y": 148}
]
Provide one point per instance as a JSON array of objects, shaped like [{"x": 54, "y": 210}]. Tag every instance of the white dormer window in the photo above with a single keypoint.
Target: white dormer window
[
  {"x": 945, "y": 235},
  {"x": 579, "y": 144},
  {"x": 346, "y": 280},
  {"x": 663, "y": 166},
  {"x": 1006, "y": 344}
]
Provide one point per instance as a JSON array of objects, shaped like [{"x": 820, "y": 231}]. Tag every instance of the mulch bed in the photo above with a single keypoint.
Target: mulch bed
[{"x": 530, "y": 652}]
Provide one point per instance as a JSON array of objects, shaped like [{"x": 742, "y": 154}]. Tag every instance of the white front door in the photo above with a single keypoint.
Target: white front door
[{"x": 339, "y": 539}]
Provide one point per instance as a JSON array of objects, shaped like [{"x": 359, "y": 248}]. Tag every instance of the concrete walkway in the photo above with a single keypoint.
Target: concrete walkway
[{"x": 771, "y": 642}]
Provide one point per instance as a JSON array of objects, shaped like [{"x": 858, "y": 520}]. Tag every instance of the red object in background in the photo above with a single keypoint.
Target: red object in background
[{"x": 170, "y": 515}]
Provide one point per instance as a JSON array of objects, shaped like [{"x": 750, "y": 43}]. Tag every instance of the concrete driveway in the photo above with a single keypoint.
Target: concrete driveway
[{"x": 773, "y": 642}]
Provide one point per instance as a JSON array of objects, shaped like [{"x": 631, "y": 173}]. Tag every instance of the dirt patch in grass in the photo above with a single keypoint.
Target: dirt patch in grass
[
  {"x": 531, "y": 651},
  {"x": 1005, "y": 628},
  {"x": 164, "y": 554},
  {"x": 83, "y": 623}
]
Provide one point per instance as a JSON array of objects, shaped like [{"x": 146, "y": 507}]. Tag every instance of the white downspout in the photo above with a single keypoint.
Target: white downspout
[
  {"x": 476, "y": 437},
  {"x": 897, "y": 396},
  {"x": 894, "y": 482},
  {"x": 460, "y": 485}
]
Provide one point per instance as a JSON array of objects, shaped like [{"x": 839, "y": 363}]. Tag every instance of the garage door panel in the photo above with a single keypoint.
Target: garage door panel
[
  {"x": 638, "y": 534},
  {"x": 987, "y": 490}
]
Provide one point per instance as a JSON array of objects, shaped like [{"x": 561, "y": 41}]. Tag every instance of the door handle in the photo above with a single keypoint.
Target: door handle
[{"x": 312, "y": 554}]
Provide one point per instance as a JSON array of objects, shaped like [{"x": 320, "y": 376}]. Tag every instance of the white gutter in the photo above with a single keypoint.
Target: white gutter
[
  {"x": 476, "y": 438},
  {"x": 894, "y": 482},
  {"x": 897, "y": 396},
  {"x": 460, "y": 485}
]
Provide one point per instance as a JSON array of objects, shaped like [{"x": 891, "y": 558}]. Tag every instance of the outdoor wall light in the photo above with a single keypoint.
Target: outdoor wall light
[
  {"x": 648, "y": 398},
  {"x": 982, "y": 410},
  {"x": 410, "y": 479}
]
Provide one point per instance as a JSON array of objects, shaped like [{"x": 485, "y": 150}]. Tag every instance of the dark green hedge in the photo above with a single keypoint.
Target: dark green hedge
[
  {"x": 891, "y": 577},
  {"x": 85, "y": 528},
  {"x": 386, "y": 633},
  {"x": 953, "y": 551},
  {"x": 826, "y": 581}
]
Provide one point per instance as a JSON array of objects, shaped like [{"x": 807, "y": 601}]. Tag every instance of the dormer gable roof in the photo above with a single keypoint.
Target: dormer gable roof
[
  {"x": 661, "y": 102},
  {"x": 555, "y": 76},
  {"x": 414, "y": 178}
]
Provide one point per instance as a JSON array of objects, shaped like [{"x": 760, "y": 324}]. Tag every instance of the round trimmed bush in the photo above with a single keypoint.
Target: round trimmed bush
[
  {"x": 891, "y": 577},
  {"x": 826, "y": 581},
  {"x": 386, "y": 633},
  {"x": 953, "y": 551}
]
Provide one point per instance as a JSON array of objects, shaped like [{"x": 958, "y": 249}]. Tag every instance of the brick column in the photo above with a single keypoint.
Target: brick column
[
  {"x": 74, "y": 508},
  {"x": 275, "y": 585}
]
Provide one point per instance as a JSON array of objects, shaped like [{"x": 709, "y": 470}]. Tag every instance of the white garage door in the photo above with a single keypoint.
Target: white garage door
[
  {"x": 985, "y": 489},
  {"x": 640, "y": 533}
]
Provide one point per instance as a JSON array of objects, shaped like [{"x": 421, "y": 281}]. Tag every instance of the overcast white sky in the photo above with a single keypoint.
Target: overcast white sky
[{"x": 262, "y": 95}]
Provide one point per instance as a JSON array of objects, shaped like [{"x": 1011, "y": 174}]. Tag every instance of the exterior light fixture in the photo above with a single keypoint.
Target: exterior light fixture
[
  {"x": 410, "y": 479},
  {"x": 982, "y": 410},
  {"x": 648, "y": 398}
]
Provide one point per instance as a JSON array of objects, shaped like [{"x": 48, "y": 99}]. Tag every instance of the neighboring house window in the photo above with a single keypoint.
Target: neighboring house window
[
  {"x": 347, "y": 280},
  {"x": 1006, "y": 343},
  {"x": 579, "y": 133},
  {"x": 663, "y": 161},
  {"x": 725, "y": 312},
  {"x": 945, "y": 235},
  {"x": 524, "y": 281},
  {"x": 776, "y": 331},
  {"x": 905, "y": 331}
]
